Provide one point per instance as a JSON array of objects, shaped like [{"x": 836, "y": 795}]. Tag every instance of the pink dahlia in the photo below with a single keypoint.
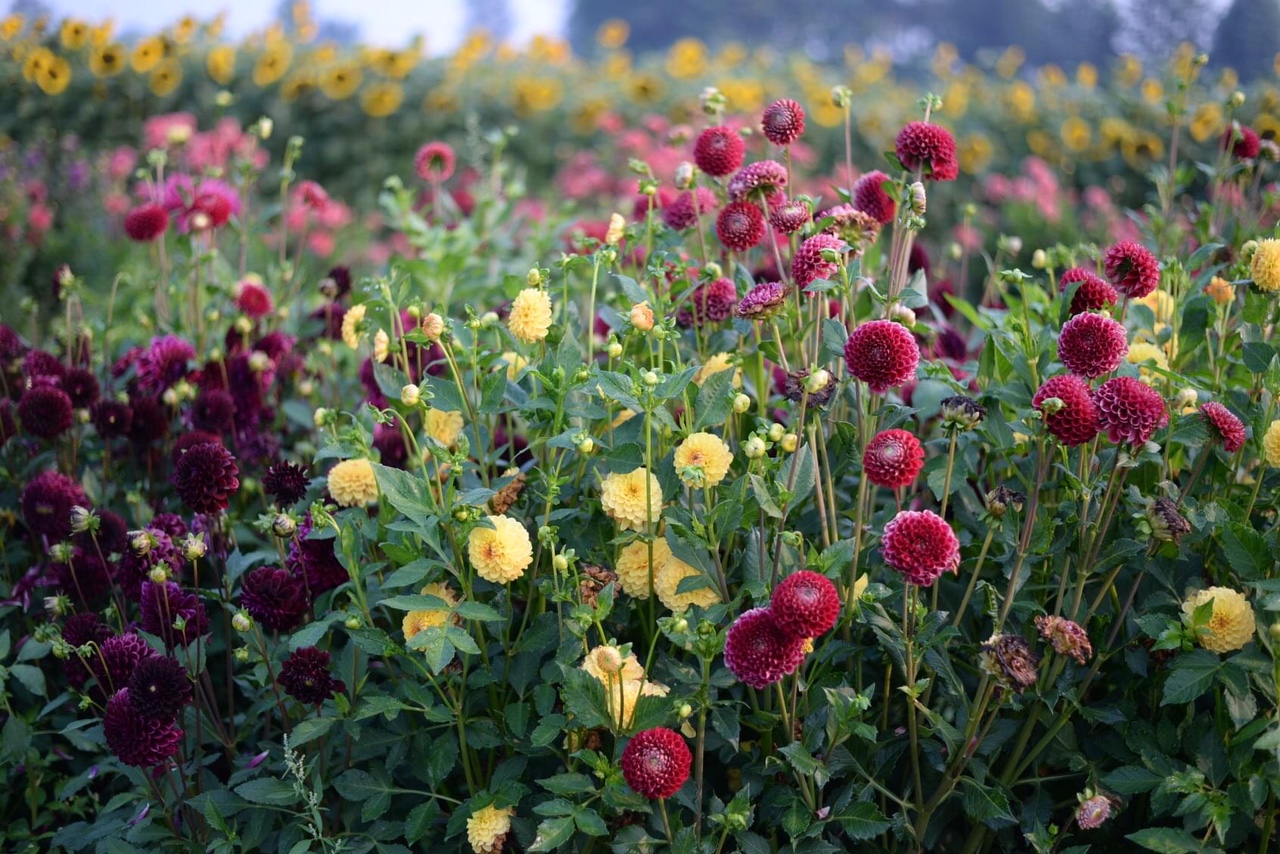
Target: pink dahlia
[
  {"x": 1132, "y": 269},
  {"x": 763, "y": 178},
  {"x": 1076, "y": 420},
  {"x": 805, "y": 604},
  {"x": 809, "y": 266},
  {"x": 924, "y": 145},
  {"x": 682, "y": 213},
  {"x": 434, "y": 161},
  {"x": 656, "y": 762},
  {"x": 759, "y": 651},
  {"x": 762, "y": 301},
  {"x": 1093, "y": 294},
  {"x": 740, "y": 226},
  {"x": 1093, "y": 812},
  {"x": 870, "y": 197},
  {"x": 921, "y": 546},
  {"x": 882, "y": 354},
  {"x": 164, "y": 362},
  {"x": 1226, "y": 425},
  {"x": 1129, "y": 410},
  {"x": 709, "y": 303},
  {"x": 1091, "y": 345},
  {"x": 146, "y": 222},
  {"x": 718, "y": 151},
  {"x": 790, "y": 216},
  {"x": 893, "y": 459},
  {"x": 783, "y": 122}
]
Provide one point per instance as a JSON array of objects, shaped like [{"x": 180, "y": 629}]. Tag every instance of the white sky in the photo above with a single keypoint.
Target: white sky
[{"x": 388, "y": 22}]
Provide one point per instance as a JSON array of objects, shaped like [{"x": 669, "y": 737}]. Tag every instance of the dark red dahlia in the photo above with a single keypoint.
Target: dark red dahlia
[
  {"x": 388, "y": 441},
  {"x": 1093, "y": 294},
  {"x": 1226, "y": 425},
  {"x": 149, "y": 420},
  {"x": 928, "y": 146},
  {"x": 85, "y": 578},
  {"x": 809, "y": 266},
  {"x": 159, "y": 688},
  {"x": 111, "y": 418},
  {"x": 740, "y": 225},
  {"x": 46, "y": 502},
  {"x": 215, "y": 206},
  {"x": 341, "y": 278},
  {"x": 253, "y": 299},
  {"x": 656, "y": 763},
  {"x": 11, "y": 345},
  {"x": 921, "y": 546},
  {"x": 718, "y": 151},
  {"x": 171, "y": 524},
  {"x": 1076, "y": 420},
  {"x": 1242, "y": 141},
  {"x": 39, "y": 363},
  {"x": 893, "y": 459},
  {"x": 205, "y": 477},
  {"x": 918, "y": 259},
  {"x": 805, "y": 604},
  {"x": 114, "y": 661},
  {"x": 759, "y": 651},
  {"x": 45, "y": 411},
  {"x": 1132, "y": 269},
  {"x": 869, "y": 196},
  {"x": 681, "y": 214},
  {"x": 435, "y": 162},
  {"x": 286, "y": 482},
  {"x": 111, "y": 536},
  {"x": 790, "y": 216},
  {"x": 274, "y": 597},
  {"x": 81, "y": 386},
  {"x": 762, "y": 301},
  {"x": 1091, "y": 345},
  {"x": 190, "y": 439},
  {"x": 136, "y": 740},
  {"x": 782, "y": 122},
  {"x": 314, "y": 561},
  {"x": 762, "y": 179},
  {"x": 709, "y": 303},
  {"x": 1129, "y": 411},
  {"x": 146, "y": 222},
  {"x": 882, "y": 354},
  {"x": 79, "y": 630},
  {"x": 214, "y": 411},
  {"x": 305, "y": 676},
  {"x": 172, "y": 614},
  {"x": 164, "y": 362}
]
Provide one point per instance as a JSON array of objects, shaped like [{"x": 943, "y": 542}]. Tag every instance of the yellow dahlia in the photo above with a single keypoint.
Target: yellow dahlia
[
  {"x": 445, "y": 426},
  {"x": 633, "y": 566},
  {"x": 1143, "y": 354},
  {"x": 1265, "y": 266},
  {"x": 352, "y": 484},
  {"x": 530, "y": 316},
  {"x": 381, "y": 346},
  {"x": 632, "y": 499},
  {"x": 666, "y": 582},
  {"x": 1271, "y": 444},
  {"x": 416, "y": 621},
  {"x": 502, "y": 553},
  {"x": 608, "y": 664},
  {"x": 621, "y": 699},
  {"x": 703, "y": 459},
  {"x": 515, "y": 364},
  {"x": 487, "y": 829},
  {"x": 351, "y": 325},
  {"x": 1232, "y": 624},
  {"x": 717, "y": 363}
]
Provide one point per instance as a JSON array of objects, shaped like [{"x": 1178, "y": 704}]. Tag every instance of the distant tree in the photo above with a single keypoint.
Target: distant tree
[
  {"x": 1248, "y": 38},
  {"x": 1153, "y": 28},
  {"x": 491, "y": 15}
]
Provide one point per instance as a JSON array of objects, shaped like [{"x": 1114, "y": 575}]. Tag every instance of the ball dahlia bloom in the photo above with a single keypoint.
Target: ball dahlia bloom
[
  {"x": 314, "y": 561},
  {"x": 921, "y": 546},
  {"x": 286, "y": 482},
  {"x": 921, "y": 145},
  {"x": 1093, "y": 294},
  {"x": 1073, "y": 418},
  {"x": 805, "y": 604},
  {"x": 436, "y": 618},
  {"x": 685, "y": 210},
  {"x": 45, "y": 411},
  {"x": 808, "y": 265},
  {"x": 46, "y": 503},
  {"x": 709, "y": 303},
  {"x": 1270, "y": 444},
  {"x": 782, "y": 122},
  {"x": 274, "y": 597},
  {"x": 656, "y": 763},
  {"x": 146, "y": 223},
  {"x": 790, "y": 216},
  {"x": 1242, "y": 141},
  {"x": 718, "y": 151},
  {"x": 882, "y": 354},
  {"x": 164, "y": 362},
  {"x": 666, "y": 584},
  {"x": 158, "y": 688},
  {"x": 1132, "y": 269},
  {"x": 869, "y": 196},
  {"x": 893, "y": 459},
  {"x": 1091, "y": 345},
  {"x": 137, "y": 740},
  {"x": 530, "y": 317},
  {"x": 633, "y": 566},
  {"x": 759, "y": 651},
  {"x": 487, "y": 829},
  {"x": 1224, "y": 424},
  {"x": 633, "y": 499},
  {"x": 352, "y": 483},
  {"x": 205, "y": 477},
  {"x": 1129, "y": 411},
  {"x": 305, "y": 676},
  {"x": 702, "y": 460},
  {"x": 740, "y": 225},
  {"x": 500, "y": 553},
  {"x": 172, "y": 614},
  {"x": 762, "y": 301},
  {"x": 1231, "y": 625},
  {"x": 762, "y": 179},
  {"x": 1265, "y": 265}
]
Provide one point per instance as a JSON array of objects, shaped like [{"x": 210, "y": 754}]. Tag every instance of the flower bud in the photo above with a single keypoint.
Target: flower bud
[
  {"x": 533, "y": 278},
  {"x": 83, "y": 519},
  {"x": 353, "y": 622},
  {"x": 616, "y": 228},
  {"x": 433, "y": 326},
  {"x": 560, "y": 563},
  {"x": 713, "y": 270},
  {"x": 615, "y": 349},
  {"x": 919, "y": 203},
  {"x": 955, "y": 251},
  {"x": 242, "y": 653},
  {"x": 62, "y": 552},
  {"x": 410, "y": 395},
  {"x": 1274, "y": 631},
  {"x": 685, "y": 710},
  {"x": 223, "y": 99},
  {"x": 194, "y": 546},
  {"x": 489, "y": 318},
  {"x": 790, "y": 442},
  {"x": 1052, "y": 405},
  {"x": 243, "y": 325},
  {"x": 381, "y": 346},
  {"x": 242, "y": 622},
  {"x": 684, "y": 176},
  {"x": 1039, "y": 259},
  {"x": 753, "y": 448},
  {"x": 741, "y": 403},
  {"x": 1000, "y": 499},
  {"x": 321, "y": 416},
  {"x": 1167, "y": 523},
  {"x": 776, "y": 431},
  {"x": 586, "y": 445},
  {"x": 1187, "y": 397},
  {"x": 650, "y": 378},
  {"x": 140, "y": 542},
  {"x": 284, "y": 526},
  {"x": 1247, "y": 249},
  {"x": 899, "y": 313},
  {"x": 681, "y": 625},
  {"x": 265, "y": 125},
  {"x": 170, "y": 397},
  {"x": 642, "y": 316},
  {"x": 962, "y": 413},
  {"x": 158, "y": 574},
  {"x": 817, "y": 381}
]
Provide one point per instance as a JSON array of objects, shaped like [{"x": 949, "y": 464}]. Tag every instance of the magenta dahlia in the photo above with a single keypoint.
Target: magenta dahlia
[
  {"x": 762, "y": 301},
  {"x": 762, "y": 179},
  {"x": 759, "y": 651},
  {"x": 1076, "y": 420},
  {"x": 740, "y": 226},
  {"x": 1226, "y": 425},
  {"x": 893, "y": 458},
  {"x": 134, "y": 739},
  {"x": 709, "y": 303},
  {"x": 434, "y": 161},
  {"x": 805, "y": 604},
  {"x": 718, "y": 151},
  {"x": 869, "y": 196},
  {"x": 81, "y": 386},
  {"x": 314, "y": 561},
  {"x": 682, "y": 212},
  {"x": 808, "y": 265},
  {"x": 1091, "y": 345},
  {"x": 172, "y": 614},
  {"x": 305, "y": 676},
  {"x": 214, "y": 411},
  {"x": 921, "y": 546},
  {"x": 782, "y": 122},
  {"x": 146, "y": 222},
  {"x": 656, "y": 762},
  {"x": 46, "y": 502},
  {"x": 164, "y": 362},
  {"x": 1129, "y": 411},
  {"x": 274, "y": 597},
  {"x": 790, "y": 216},
  {"x": 1093, "y": 294},
  {"x": 1132, "y": 269},
  {"x": 159, "y": 688},
  {"x": 882, "y": 354},
  {"x": 205, "y": 477},
  {"x": 45, "y": 411},
  {"x": 921, "y": 145},
  {"x": 1242, "y": 141},
  {"x": 111, "y": 418}
]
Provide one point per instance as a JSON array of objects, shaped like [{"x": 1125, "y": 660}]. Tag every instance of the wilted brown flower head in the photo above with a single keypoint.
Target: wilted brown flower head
[
  {"x": 1010, "y": 660},
  {"x": 1066, "y": 637}
]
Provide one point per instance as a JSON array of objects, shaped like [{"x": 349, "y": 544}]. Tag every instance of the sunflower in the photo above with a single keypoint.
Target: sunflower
[
  {"x": 185, "y": 29},
  {"x": 34, "y": 63},
  {"x": 100, "y": 36},
  {"x": 54, "y": 76},
  {"x": 687, "y": 59},
  {"x": 147, "y": 54},
  {"x": 975, "y": 152},
  {"x": 380, "y": 100},
  {"x": 1087, "y": 75},
  {"x": 1010, "y": 61},
  {"x": 341, "y": 81},
  {"x": 221, "y": 64},
  {"x": 272, "y": 63},
  {"x": 165, "y": 78},
  {"x": 107, "y": 61},
  {"x": 537, "y": 95},
  {"x": 296, "y": 85},
  {"x": 1076, "y": 134},
  {"x": 1206, "y": 122},
  {"x": 613, "y": 34},
  {"x": 75, "y": 33},
  {"x": 1128, "y": 70},
  {"x": 11, "y": 26}
]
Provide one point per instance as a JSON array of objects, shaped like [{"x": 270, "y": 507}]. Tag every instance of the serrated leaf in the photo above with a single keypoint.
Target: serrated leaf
[
  {"x": 1165, "y": 840},
  {"x": 985, "y": 803},
  {"x": 1190, "y": 676},
  {"x": 863, "y": 820},
  {"x": 552, "y": 833},
  {"x": 1131, "y": 780},
  {"x": 267, "y": 790}
]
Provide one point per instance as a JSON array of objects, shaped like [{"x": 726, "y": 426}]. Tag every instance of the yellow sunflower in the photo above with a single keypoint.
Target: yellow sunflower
[
  {"x": 221, "y": 64},
  {"x": 107, "y": 61},
  {"x": 147, "y": 54},
  {"x": 380, "y": 100},
  {"x": 341, "y": 81},
  {"x": 166, "y": 77}
]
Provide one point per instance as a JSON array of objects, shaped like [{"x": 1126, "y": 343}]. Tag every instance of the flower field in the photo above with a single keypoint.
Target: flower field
[{"x": 716, "y": 451}]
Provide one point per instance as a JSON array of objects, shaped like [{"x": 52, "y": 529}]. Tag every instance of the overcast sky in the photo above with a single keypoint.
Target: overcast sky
[{"x": 389, "y": 22}]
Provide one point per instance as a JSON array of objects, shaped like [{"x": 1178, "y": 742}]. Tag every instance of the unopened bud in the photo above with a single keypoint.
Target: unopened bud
[
  {"x": 616, "y": 229},
  {"x": 615, "y": 349},
  {"x": 433, "y": 326},
  {"x": 242, "y": 622},
  {"x": 586, "y": 445},
  {"x": 817, "y": 381},
  {"x": 353, "y": 622},
  {"x": 194, "y": 547},
  {"x": 140, "y": 542},
  {"x": 242, "y": 654},
  {"x": 560, "y": 562},
  {"x": 83, "y": 519},
  {"x": 1052, "y": 405},
  {"x": 284, "y": 526},
  {"x": 899, "y": 313},
  {"x": 1039, "y": 259},
  {"x": 265, "y": 125},
  {"x": 1236, "y": 99},
  {"x": 790, "y": 442},
  {"x": 410, "y": 395},
  {"x": 741, "y": 404},
  {"x": 919, "y": 201},
  {"x": 321, "y": 416},
  {"x": 1186, "y": 397},
  {"x": 775, "y": 432},
  {"x": 642, "y": 316},
  {"x": 159, "y": 573},
  {"x": 684, "y": 176},
  {"x": 533, "y": 278},
  {"x": 685, "y": 710},
  {"x": 754, "y": 448},
  {"x": 650, "y": 378}
]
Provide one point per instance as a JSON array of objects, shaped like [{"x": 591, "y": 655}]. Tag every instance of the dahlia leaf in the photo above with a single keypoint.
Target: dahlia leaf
[
  {"x": 552, "y": 833},
  {"x": 1191, "y": 675},
  {"x": 268, "y": 791},
  {"x": 863, "y": 820},
  {"x": 1165, "y": 840}
]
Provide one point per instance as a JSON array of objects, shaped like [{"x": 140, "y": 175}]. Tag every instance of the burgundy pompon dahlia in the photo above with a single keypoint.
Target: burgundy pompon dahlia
[
  {"x": 682, "y": 213},
  {"x": 656, "y": 762},
  {"x": 305, "y": 676},
  {"x": 921, "y": 546},
  {"x": 764, "y": 178},
  {"x": 111, "y": 418},
  {"x": 1092, "y": 345},
  {"x": 1093, "y": 294},
  {"x": 805, "y": 604},
  {"x": 435, "y": 161},
  {"x": 159, "y": 688},
  {"x": 1132, "y": 269},
  {"x": 164, "y": 362},
  {"x": 214, "y": 411},
  {"x": 718, "y": 151},
  {"x": 134, "y": 739},
  {"x": 1225, "y": 424},
  {"x": 274, "y": 597},
  {"x": 113, "y": 663},
  {"x": 759, "y": 651},
  {"x": 146, "y": 222},
  {"x": 1242, "y": 141},
  {"x": 882, "y": 354},
  {"x": 1129, "y": 411},
  {"x": 762, "y": 301},
  {"x": 286, "y": 482},
  {"x": 808, "y": 265},
  {"x": 1076, "y": 420},
  {"x": 709, "y": 303},
  {"x": 928, "y": 146},
  {"x": 46, "y": 502},
  {"x": 893, "y": 458},
  {"x": 314, "y": 561},
  {"x": 45, "y": 411},
  {"x": 869, "y": 196},
  {"x": 205, "y": 477},
  {"x": 783, "y": 122},
  {"x": 81, "y": 386},
  {"x": 790, "y": 216},
  {"x": 740, "y": 225}
]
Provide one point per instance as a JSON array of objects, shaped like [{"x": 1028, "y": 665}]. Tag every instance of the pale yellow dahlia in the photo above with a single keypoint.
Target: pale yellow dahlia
[
  {"x": 502, "y": 553},
  {"x": 515, "y": 364},
  {"x": 626, "y": 496},
  {"x": 352, "y": 484},
  {"x": 381, "y": 346},
  {"x": 350, "y": 323},
  {"x": 487, "y": 829},
  {"x": 1232, "y": 624},
  {"x": 1265, "y": 266},
  {"x": 1143, "y": 354},
  {"x": 702, "y": 459},
  {"x": 444, "y": 426},
  {"x": 666, "y": 582},
  {"x": 633, "y": 566},
  {"x": 714, "y": 365},
  {"x": 1271, "y": 444},
  {"x": 608, "y": 664},
  {"x": 530, "y": 316},
  {"x": 416, "y": 621}
]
